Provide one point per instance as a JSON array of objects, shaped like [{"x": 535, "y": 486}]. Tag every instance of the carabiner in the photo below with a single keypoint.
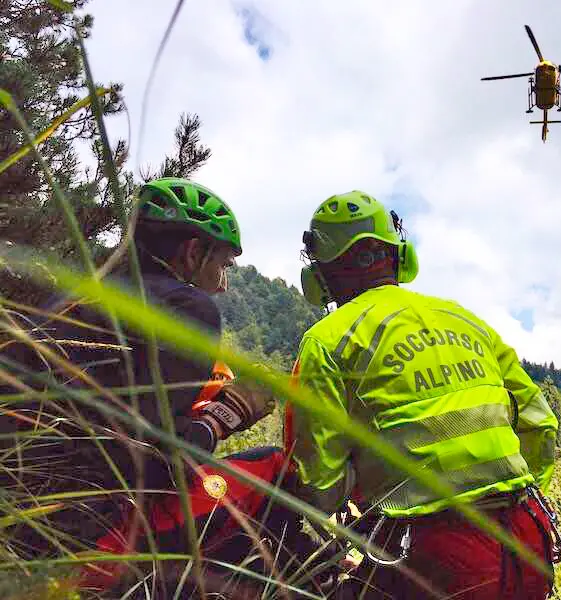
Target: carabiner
[
  {"x": 550, "y": 513},
  {"x": 405, "y": 545}
]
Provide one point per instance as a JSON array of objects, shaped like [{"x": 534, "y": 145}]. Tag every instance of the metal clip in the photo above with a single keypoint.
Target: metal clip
[
  {"x": 405, "y": 545},
  {"x": 545, "y": 505}
]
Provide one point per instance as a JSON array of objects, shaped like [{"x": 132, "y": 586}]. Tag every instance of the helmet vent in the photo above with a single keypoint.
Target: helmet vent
[
  {"x": 198, "y": 216},
  {"x": 215, "y": 227},
  {"x": 221, "y": 212},
  {"x": 366, "y": 198},
  {"x": 333, "y": 206},
  {"x": 159, "y": 200},
  {"x": 233, "y": 228},
  {"x": 352, "y": 207},
  {"x": 179, "y": 192},
  {"x": 203, "y": 197}
]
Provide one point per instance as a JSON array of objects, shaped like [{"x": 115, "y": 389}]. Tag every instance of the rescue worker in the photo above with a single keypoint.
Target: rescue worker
[
  {"x": 440, "y": 385},
  {"x": 186, "y": 237}
]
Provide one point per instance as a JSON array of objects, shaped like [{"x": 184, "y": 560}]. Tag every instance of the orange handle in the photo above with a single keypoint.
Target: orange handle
[{"x": 221, "y": 373}]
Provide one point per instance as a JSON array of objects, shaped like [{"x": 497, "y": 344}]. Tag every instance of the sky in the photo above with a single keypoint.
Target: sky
[{"x": 301, "y": 100}]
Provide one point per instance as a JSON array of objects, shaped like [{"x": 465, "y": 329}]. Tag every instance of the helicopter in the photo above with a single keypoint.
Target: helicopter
[{"x": 544, "y": 91}]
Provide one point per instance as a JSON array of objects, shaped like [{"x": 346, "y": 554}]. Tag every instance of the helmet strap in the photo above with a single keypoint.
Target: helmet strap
[
  {"x": 159, "y": 261},
  {"x": 204, "y": 261}
]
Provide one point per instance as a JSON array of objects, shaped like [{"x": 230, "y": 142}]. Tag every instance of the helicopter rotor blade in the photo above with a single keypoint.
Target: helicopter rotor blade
[
  {"x": 507, "y": 76},
  {"x": 534, "y": 43}
]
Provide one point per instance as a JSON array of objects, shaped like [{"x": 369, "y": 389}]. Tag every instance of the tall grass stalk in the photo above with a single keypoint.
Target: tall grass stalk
[
  {"x": 152, "y": 73},
  {"x": 188, "y": 340},
  {"x": 153, "y": 352},
  {"x": 284, "y": 498}
]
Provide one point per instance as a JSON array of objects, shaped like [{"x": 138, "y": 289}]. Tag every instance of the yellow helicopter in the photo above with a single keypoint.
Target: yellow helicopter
[{"x": 544, "y": 91}]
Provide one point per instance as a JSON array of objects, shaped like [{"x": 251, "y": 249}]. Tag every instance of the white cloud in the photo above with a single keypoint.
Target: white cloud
[{"x": 383, "y": 97}]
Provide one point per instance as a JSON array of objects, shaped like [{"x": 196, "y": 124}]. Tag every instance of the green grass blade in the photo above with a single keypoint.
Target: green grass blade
[
  {"x": 111, "y": 173},
  {"x": 188, "y": 449},
  {"x": 108, "y": 162},
  {"x": 29, "y": 513},
  {"x": 153, "y": 68},
  {"x": 161, "y": 394}
]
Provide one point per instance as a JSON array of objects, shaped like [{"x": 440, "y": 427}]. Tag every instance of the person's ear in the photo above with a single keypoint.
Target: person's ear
[{"x": 191, "y": 254}]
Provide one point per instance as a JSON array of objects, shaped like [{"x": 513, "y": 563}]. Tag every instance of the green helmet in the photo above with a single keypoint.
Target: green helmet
[
  {"x": 183, "y": 202},
  {"x": 342, "y": 220}
]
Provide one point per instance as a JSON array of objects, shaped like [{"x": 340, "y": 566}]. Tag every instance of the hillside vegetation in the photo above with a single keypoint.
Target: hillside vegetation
[{"x": 265, "y": 316}]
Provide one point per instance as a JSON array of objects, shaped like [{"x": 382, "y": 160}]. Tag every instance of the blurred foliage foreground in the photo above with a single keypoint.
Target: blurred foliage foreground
[{"x": 53, "y": 223}]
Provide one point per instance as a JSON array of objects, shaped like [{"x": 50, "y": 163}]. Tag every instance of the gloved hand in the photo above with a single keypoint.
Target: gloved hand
[{"x": 237, "y": 407}]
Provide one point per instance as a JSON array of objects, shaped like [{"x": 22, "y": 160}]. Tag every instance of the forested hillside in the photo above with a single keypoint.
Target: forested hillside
[
  {"x": 264, "y": 316},
  {"x": 540, "y": 372}
]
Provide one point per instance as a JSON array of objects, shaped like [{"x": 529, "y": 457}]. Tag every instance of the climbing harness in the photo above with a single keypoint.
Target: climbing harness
[{"x": 406, "y": 539}]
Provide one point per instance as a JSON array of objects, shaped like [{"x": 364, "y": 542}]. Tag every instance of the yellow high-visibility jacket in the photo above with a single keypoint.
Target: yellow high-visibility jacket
[{"x": 433, "y": 380}]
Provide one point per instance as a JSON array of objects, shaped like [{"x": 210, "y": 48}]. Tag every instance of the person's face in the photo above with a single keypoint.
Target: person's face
[{"x": 207, "y": 269}]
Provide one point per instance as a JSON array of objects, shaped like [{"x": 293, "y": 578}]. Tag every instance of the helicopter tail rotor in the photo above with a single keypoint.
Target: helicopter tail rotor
[
  {"x": 544, "y": 125},
  {"x": 534, "y": 43}
]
